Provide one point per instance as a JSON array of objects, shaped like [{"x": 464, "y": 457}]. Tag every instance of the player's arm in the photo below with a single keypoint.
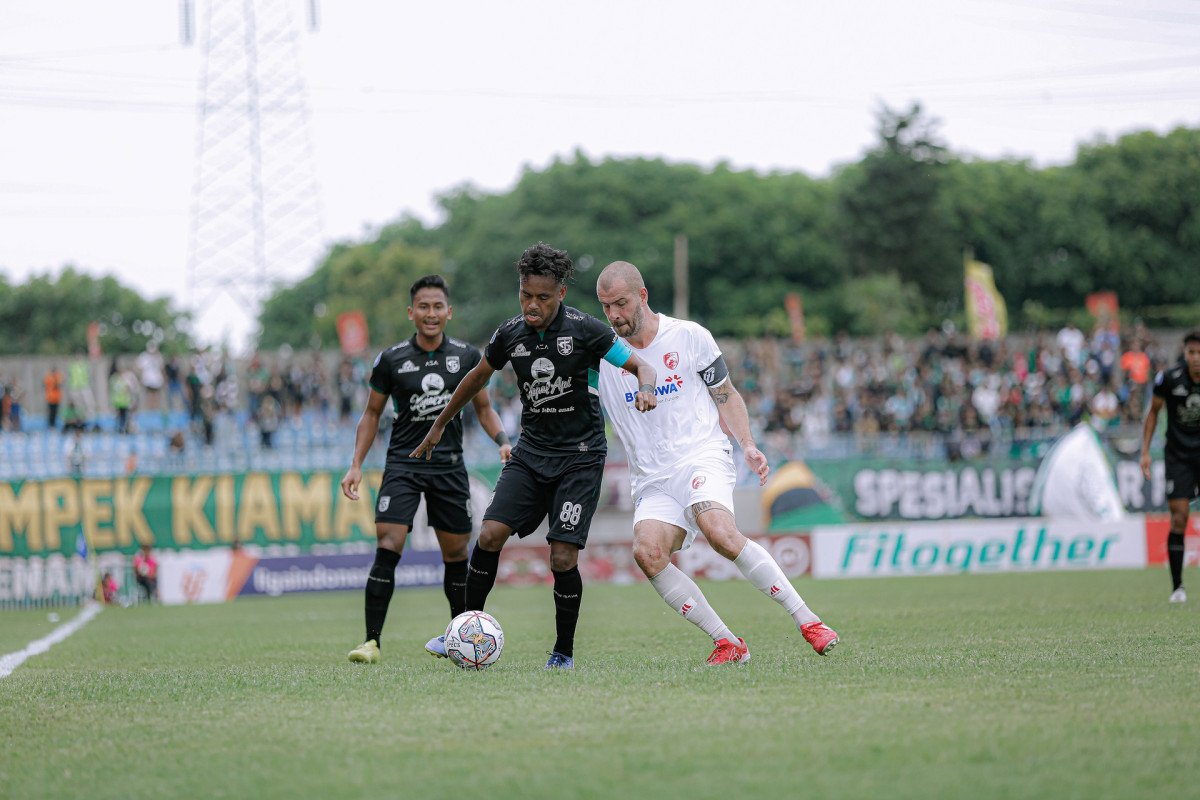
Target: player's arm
[
  {"x": 489, "y": 420},
  {"x": 1148, "y": 429},
  {"x": 620, "y": 354},
  {"x": 647, "y": 377},
  {"x": 364, "y": 435},
  {"x": 736, "y": 420},
  {"x": 471, "y": 385}
]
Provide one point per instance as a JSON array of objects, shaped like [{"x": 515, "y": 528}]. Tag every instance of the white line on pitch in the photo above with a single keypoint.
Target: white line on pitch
[{"x": 13, "y": 660}]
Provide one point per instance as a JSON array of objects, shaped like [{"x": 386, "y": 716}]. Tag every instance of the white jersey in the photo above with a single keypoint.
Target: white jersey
[{"x": 686, "y": 423}]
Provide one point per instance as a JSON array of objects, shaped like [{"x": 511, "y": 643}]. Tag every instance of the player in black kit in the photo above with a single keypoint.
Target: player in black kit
[
  {"x": 419, "y": 375},
  {"x": 1178, "y": 389},
  {"x": 558, "y": 461}
]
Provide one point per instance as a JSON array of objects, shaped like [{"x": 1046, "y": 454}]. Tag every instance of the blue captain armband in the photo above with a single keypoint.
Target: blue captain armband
[{"x": 619, "y": 353}]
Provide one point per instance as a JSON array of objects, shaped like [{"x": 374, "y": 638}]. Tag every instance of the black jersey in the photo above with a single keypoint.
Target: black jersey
[
  {"x": 420, "y": 384},
  {"x": 1182, "y": 398},
  {"x": 558, "y": 374}
]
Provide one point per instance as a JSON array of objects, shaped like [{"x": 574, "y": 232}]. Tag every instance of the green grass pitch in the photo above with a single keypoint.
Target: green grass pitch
[{"x": 1050, "y": 685}]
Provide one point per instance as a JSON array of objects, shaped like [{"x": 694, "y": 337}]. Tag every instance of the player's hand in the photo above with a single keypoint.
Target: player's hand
[
  {"x": 505, "y": 452},
  {"x": 351, "y": 481},
  {"x": 758, "y": 464},
  {"x": 644, "y": 401},
  {"x": 1145, "y": 462},
  {"x": 425, "y": 448}
]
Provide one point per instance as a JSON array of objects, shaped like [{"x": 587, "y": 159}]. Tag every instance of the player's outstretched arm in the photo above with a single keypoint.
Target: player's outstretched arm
[
  {"x": 476, "y": 379},
  {"x": 736, "y": 420},
  {"x": 364, "y": 435},
  {"x": 1148, "y": 433},
  {"x": 647, "y": 378},
  {"x": 489, "y": 420}
]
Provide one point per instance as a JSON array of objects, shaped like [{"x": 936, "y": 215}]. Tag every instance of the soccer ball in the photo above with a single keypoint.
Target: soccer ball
[{"x": 474, "y": 640}]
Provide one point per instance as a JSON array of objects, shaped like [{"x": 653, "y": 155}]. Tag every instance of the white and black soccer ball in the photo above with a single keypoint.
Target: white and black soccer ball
[{"x": 474, "y": 640}]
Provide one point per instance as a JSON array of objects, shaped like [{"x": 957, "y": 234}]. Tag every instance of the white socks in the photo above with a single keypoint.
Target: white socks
[
  {"x": 766, "y": 576},
  {"x": 682, "y": 594}
]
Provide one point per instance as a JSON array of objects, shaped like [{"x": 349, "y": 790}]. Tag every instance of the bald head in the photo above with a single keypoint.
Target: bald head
[
  {"x": 621, "y": 272},
  {"x": 622, "y": 295}
]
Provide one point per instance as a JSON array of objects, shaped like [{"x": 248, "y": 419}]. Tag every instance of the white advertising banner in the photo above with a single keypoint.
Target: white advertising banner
[
  {"x": 985, "y": 546},
  {"x": 194, "y": 576}
]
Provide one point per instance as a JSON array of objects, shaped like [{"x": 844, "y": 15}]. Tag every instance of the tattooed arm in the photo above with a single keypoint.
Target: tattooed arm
[{"x": 735, "y": 420}]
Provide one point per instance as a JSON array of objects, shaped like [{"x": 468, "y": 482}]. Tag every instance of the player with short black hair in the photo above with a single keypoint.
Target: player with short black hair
[
  {"x": 419, "y": 375},
  {"x": 1177, "y": 388},
  {"x": 558, "y": 461}
]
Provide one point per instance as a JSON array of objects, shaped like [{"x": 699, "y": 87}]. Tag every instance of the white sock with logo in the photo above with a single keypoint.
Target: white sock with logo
[
  {"x": 682, "y": 594},
  {"x": 765, "y": 575}
]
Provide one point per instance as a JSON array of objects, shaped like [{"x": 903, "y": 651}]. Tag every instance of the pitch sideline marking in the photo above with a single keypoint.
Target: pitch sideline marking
[{"x": 11, "y": 661}]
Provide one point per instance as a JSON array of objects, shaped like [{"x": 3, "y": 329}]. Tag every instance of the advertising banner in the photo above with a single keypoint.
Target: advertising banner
[
  {"x": 328, "y": 573},
  {"x": 1016, "y": 545},
  {"x": 878, "y": 489},
  {"x": 194, "y": 512}
]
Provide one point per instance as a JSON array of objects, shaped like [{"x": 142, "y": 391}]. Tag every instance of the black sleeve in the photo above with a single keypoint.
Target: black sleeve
[
  {"x": 598, "y": 338},
  {"x": 381, "y": 376},
  {"x": 1161, "y": 381},
  {"x": 496, "y": 351}
]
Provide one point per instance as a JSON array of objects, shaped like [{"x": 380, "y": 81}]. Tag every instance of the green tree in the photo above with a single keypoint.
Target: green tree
[
  {"x": 50, "y": 315},
  {"x": 892, "y": 217}
]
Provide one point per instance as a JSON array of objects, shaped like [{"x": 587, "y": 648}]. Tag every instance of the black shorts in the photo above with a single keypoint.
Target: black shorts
[
  {"x": 447, "y": 499},
  {"x": 1182, "y": 475},
  {"x": 565, "y": 488}
]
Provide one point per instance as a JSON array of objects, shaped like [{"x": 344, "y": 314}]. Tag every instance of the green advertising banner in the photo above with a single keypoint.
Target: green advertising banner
[{"x": 186, "y": 511}]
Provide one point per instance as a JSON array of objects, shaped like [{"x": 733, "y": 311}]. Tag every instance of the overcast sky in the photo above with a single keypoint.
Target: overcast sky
[{"x": 98, "y": 102}]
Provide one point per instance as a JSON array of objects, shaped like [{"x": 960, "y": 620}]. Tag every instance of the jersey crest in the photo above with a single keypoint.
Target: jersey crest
[
  {"x": 566, "y": 345},
  {"x": 671, "y": 360}
]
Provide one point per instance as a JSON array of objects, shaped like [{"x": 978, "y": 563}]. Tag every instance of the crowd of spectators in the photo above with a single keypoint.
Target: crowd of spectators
[
  {"x": 942, "y": 384},
  {"x": 946, "y": 384}
]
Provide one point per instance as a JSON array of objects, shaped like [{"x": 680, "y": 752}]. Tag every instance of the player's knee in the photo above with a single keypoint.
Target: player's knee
[
  {"x": 650, "y": 556},
  {"x": 493, "y": 536},
  {"x": 726, "y": 541},
  {"x": 563, "y": 560}
]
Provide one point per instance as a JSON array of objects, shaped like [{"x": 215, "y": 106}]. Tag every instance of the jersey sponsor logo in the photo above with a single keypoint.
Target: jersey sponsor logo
[
  {"x": 408, "y": 366},
  {"x": 434, "y": 399},
  {"x": 518, "y": 351},
  {"x": 698, "y": 481},
  {"x": 384, "y": 502},
  {"x": 1189, "y": 412},
  {"x": 566, "y": 345},
  {"x": 673, "y": 384},
  {"x": 545, "y": 387},
  {"x": 1179, "y": 390},
  {"x": 432, "y": 383},
  {"x": 452, "y": 364}
]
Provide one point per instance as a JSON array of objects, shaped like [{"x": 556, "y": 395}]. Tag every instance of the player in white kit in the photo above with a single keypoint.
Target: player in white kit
[{"x": 681, "y": 463}]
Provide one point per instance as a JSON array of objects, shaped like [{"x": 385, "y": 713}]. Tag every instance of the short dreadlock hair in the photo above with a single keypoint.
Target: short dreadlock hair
[{"x": 542, "y": 259}]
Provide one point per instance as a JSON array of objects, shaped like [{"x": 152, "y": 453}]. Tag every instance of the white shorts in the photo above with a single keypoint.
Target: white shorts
[{"x": 669, "y": 498}]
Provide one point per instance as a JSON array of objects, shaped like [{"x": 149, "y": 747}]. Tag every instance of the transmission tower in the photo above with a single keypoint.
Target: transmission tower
[{"x": 256, "y": 216}]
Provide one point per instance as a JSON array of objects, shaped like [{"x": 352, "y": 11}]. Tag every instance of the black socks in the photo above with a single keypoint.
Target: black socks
[
  {"x": 481, "y": 577},
  {"x": 568, "y": 594},
  {"x": 454, "y": 584},
  {"x": 1175, "y": 558},
  {"x": 381, "y": 582}
]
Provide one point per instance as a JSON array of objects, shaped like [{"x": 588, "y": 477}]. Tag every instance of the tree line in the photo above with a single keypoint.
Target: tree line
[{"x": 875, "y": 247}]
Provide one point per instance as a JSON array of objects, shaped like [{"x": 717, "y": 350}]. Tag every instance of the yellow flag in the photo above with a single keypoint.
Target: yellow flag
[{"x": 987, "y": 316}]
